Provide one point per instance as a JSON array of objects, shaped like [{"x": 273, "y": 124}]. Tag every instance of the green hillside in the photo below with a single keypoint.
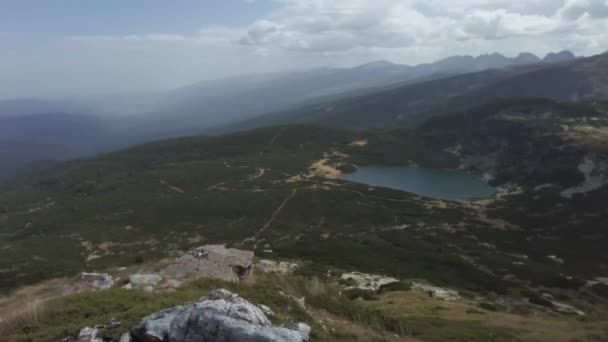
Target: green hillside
[
  {"x": 259, "y": 189},
  {"x": 161, "y": 197},
  {"x": 274, "y": 190}
]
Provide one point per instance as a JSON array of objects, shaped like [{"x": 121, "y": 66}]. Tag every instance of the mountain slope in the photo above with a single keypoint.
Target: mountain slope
[
  {"x": 71, "y": 130},
  {"x": 412, "y": 104},
  {"x": 197, "y": 108},
  {"x": 26, "y": 140},
  {"x": 227, "y": 100},
  {"x": 529, "y": 260},
  {"x": 275, "y": 189}
]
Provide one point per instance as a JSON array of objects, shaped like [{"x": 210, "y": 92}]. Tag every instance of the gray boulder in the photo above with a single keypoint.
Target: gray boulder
[
  {"x": 212, "y": 261},
  {"x": 88, "y": 334},
  {"x": 98, "y": 281},
  {"x": 221, "y": 317}
]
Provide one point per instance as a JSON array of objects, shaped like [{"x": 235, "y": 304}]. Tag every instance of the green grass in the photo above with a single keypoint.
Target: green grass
[
  {"x": 95, "y": 200},
  {"x": 66, "y": 316},
  {"x": 424, "y": 328}
]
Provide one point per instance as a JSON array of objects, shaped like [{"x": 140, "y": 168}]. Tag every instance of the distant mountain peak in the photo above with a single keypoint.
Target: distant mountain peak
[
  {"x": 491, "y": 56},
  {"x": 526, "y": 58},
  {"x": 375, "y": 65},
  {"x": 526, "y": 54},
  {"x": 494, "y": 54},
  {"x": 559, "y": 57}
]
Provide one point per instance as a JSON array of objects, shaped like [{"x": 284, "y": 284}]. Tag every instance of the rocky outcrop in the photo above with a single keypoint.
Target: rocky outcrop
[
  {"x": 88, "y": 334},
  {"x": 276, "y": 267},
  {"x": 97, "y": 281},
  {"x": 436, "y": 292},
  {"x": 222, "y": 317},
  {"x": 363, "y": 281},
  {"x": 602, "y": 280},
  {"x": 212, "y": 261},
  {"x": 596, "y": 176},
  {"x": 566, "y": 309},
  {"x": 92, "y": 334},
  {"x": 143, "y": 280}
]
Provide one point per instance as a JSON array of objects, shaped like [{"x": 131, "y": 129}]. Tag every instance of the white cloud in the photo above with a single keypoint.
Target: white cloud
[
  {"x": 574, "y": 9},
  {"x": 408, "y": 30},
  {"x": 439, "y": 28},
  {"x": 309, "y": 33}
]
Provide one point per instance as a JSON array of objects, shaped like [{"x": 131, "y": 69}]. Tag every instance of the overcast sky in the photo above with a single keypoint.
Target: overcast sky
[{"x": 77, "y": 47}]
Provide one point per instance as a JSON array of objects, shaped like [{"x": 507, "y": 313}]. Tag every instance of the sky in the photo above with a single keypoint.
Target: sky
[{"x": 63, "y": 48}]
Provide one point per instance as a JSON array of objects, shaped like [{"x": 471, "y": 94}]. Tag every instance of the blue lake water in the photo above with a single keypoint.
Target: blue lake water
[{"x": 443, "y": 184}]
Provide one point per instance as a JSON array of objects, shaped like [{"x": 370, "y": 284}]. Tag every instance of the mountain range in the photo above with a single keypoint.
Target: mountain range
[
  {"x": 411, "y": 104},
  {"x": 209, "y": 102},
  {"x": 494, "y": 229},
  {"x": 80, "y": 127}
]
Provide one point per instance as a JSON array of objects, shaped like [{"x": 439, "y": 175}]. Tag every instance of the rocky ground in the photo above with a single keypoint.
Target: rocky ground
[{"x": 329, "y": 309}]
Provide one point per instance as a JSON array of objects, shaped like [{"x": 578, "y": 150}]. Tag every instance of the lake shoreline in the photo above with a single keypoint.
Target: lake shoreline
[{"x": 435, "y": 183}]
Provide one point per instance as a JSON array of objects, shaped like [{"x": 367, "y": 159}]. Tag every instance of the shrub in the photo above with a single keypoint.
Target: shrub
[
  {"x": 488, "y": 306},
  {"x": 347, "y": 168},
  {"x": 398, "y": 286},
  {"x": 538, "y": 300},
  {"x": 359, "y": 293},
  {"x": 600, "y": 289},
  {"x": 139, "y": 259},
  {"x": 347, "y": 282},
  {"x": 474, "y": 312},
  {"x": 563, "y": 282}
]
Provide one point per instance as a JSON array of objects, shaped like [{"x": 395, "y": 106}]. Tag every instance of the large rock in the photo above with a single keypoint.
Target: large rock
[
  {"x": 88, "y": 334},
  {"x": 221, "y": 317},
  {"x": 363, "y": 281},
  {"x": 213, "y": 261},
  {"x": 98, "y": 281}
]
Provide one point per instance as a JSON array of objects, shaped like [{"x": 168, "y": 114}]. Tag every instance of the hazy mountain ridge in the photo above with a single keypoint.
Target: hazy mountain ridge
[
  {"x": 412, "y": 104},
  {"x": 260, "y": 94},
  {"x": 197, "y": 108}
]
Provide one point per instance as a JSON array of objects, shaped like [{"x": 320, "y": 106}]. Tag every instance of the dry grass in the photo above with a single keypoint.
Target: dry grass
[
  {"x": 19, "y": 319},
  {"x": 529, "y": 328},
  {"x": 395, "y": 316},
  {"x": 25, "y": 307},
  {"x": 589, "y": 135}
]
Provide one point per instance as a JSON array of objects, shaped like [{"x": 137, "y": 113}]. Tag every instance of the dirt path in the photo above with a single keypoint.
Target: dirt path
[
  {"x": 277, "y": 212},
  {"x": 260, "y": 173},
  {"x": 495, "y": 222},
  {"x": 272, "y": 218},
  {"x": 174, "y": 188},
  {"x": 274, "y": 139}
]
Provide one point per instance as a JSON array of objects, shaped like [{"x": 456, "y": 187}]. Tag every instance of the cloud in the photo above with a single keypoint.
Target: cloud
[
  {"x": 410, "y": 30},
  {"x": 500, "y": 24},
  {"x": 575, "y": 9},
  {"x": 332, "y": 26},
  {"x": 301, "y": 34},
  {"x": 325, "y": 26}
]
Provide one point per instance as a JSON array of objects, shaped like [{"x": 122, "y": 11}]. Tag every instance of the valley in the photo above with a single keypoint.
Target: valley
[
  {"x": 304, "y": 171},
  {"x": 277, "y": 191}
]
